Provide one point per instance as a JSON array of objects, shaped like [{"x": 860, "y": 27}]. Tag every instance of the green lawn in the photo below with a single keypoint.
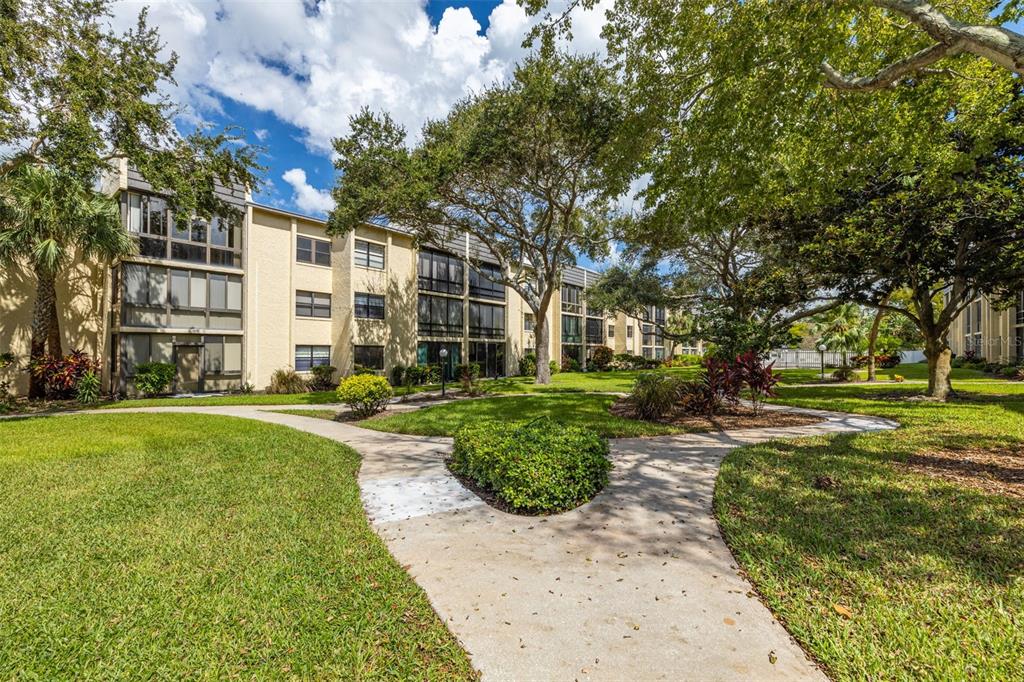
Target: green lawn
[
  {"x": 311, "y": 398},
  {"x": 582, "y": 409},
  {"x": 183, "y": 546},
  {"x": 931, "y": 572}
]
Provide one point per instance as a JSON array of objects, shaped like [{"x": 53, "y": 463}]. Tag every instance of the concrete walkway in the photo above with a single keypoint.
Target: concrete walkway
[{"x": 638, "y": 584}]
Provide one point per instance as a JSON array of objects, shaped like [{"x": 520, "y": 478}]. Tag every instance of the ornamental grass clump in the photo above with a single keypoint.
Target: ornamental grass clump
[
  {"x": 538, "y": 467},
  {"x": 365, "y": 394}
]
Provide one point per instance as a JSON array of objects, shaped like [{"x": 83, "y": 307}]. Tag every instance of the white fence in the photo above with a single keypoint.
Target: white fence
[{"x": 789, "y": 358}]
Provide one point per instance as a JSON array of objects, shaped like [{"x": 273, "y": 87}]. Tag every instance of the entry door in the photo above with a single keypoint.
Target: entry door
[{"x": 189, "y": 362}]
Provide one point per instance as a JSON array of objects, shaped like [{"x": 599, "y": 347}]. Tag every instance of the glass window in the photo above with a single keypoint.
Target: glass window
[
  {"x": 439, "y": 316},
  {"x": 304, "y": 249},
  {"x": 134, "y": 213},
  {"x": 311, "y": 356},
  {"x": 611, "y": 331},
  {"x": 1020, "y": 308},
  {"x": 323, "y": 252},
  {"x": 232, "y": 354},
  {"x": 309, "y": 250},
  {"x": 571, "y": 329},
  {"x": 197, "y": 290},
  {"x": 594, "y": 329},
  {"x": 528, "y": 322},
  {"x": 220, "y": 232},
  {"x": 429, "y": 353},
  {"x": 370, "y": 357},
  {"x": 156, "y": 214},
  {"x": 235, "y": 293},
  {"x": 192, "y": 253},
  {"x": 571, "y": 296},
  {"x": 312, "y": 304},
  {"x": 179, "y": 288},
  {"x": 136, "y": 284},
  {"x": 369, "y": 255},
  {"x": 629, "y": 331},
  {"x": 439, "y": 272},
  {"x": 369, "y": 306},
  {"x": 484, "y": 282},
  {"x": 218, "y": 291},
  {"x": 136, "y": 350},
  {"x": 486, "y": 320},
  {"x": 213, "y": 354}
]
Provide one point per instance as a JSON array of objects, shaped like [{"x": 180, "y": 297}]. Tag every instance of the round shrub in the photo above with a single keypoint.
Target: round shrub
[
  {"x": 154, "y": 378},
  {"x": 601, "y": 357},
  {"x": 554, "y": 367},
  {"x": 365, "y": 394},
  {"x": 538, "y": 467},
  {"x": 844, "y": 374},
  {"x": 528, "y": 365}
]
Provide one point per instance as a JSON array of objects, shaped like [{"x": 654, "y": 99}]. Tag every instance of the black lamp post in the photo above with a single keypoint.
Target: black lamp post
[
  {"x": 444, "y": 367},
  {"x": 821, "y": 349}
]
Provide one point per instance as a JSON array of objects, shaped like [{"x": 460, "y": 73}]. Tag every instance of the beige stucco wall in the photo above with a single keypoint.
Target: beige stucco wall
[
  {"x": 999, "y": 333},
  {"x": 82, "y": 302}
]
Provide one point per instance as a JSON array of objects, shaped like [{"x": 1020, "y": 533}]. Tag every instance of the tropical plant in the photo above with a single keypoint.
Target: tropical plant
[
  {"x": 154, "y": 378},
  {"x": 844, "y": 374},
  {"x": 48, "y": 221},
  {"x": 554, "y": 367},
  {"x": 468, "y": 375},
  {"x": 654, "y": 394},
  {"x": 841, "y": 329},
  {"x": 759, "y": 378},
  {"x": 59, "y": 375},
  {"x": 528, "y": 365},
  {"x": 286, "y": 380},
  {"x": 365, "y": 394},
  {"x": 87, "y": 391}
]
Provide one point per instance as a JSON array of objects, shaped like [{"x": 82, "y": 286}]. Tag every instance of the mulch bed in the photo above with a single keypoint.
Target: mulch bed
[
  {"x": 737, "y": 417},
  {"x": 992, "y": 470}
]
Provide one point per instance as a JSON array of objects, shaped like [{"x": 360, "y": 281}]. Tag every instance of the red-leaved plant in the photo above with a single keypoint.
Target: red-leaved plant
[
  {"x": 60, "y": 375},
  {"x": 758, "y": 377}
]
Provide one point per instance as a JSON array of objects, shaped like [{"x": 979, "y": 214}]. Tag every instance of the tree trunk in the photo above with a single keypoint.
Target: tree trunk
[
  {"x": 42, "y": 312},
  {"x": 872, "y": 340},
  {"x": 53, "y": 339},
  {"x": 540, "y": 335},
  {"x": 939, "y": 368}
]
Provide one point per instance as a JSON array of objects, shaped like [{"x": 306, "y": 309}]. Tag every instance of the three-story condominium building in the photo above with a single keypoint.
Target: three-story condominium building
[
  {"x": 231, "y": 299},
  {"x": 997, "y": 335}
]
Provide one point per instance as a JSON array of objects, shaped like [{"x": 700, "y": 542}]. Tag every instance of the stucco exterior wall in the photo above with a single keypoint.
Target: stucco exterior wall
[
  {"x": 1001, "y": 335},
  {"x": 83, "y": 303}
]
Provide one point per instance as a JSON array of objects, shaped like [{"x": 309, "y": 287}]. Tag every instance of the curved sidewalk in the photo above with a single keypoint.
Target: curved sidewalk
[{"x": 638, "y": 584}]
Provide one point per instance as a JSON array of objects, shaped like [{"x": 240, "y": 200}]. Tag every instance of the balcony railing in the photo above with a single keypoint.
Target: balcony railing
[{"x": 486, "y": 332}]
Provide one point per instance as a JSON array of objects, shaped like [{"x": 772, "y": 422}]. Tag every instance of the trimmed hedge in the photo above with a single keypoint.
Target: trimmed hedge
[{"x": 539, "y": 467}]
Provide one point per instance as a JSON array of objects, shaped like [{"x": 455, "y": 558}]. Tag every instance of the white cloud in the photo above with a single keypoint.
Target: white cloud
[
  {"x": 261, "y": 134},
  {"x": 314, "y": 69},
  {"x": 307, "y": 198}
]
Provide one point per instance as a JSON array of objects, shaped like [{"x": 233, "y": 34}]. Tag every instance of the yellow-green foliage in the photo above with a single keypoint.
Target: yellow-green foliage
[{"x": 366, "y": 394}]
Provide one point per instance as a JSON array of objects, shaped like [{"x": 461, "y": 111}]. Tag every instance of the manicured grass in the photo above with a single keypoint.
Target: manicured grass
[
  {"x": 917, "y": 371},
  {"x": 931, "y": 572},
  {"x": 312, "y": 398},
  {"x": 581, "y": 409},
  {"x": 180, "y": 546},
  {"x": 579, "y": 382}
]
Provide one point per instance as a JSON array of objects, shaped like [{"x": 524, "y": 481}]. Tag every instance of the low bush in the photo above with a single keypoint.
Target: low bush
[
  {"x": 365, "y": 394},
  {"x": 540, "y": 467},
  {"x": 323, "y": 378},
  {"x": 697, "y": 398},
  {"x": 398, "y": 375},
  {"x": 554, "y": 367},
  {"x": 60, "y": 375},
  {"x": 898, "y": 378},
  {"x": 992, "y": 367},
  {"x": 688, "y": 360},
  {"x": 601, "y": 357},
  {"x": 88, "y": 390},
  {"x": 286, "y": 380},
  {"x": 528, "y": 365},
  {"x": 570, "y": 364},
  {"x": 844, "y": 374},
  {"x": 723, "y": 380},
  {"x": 360, "y": 369},
  {"x": 758, "y": 377},
  {"x": 654, "y": 394},
  {"x": 153, "y": 378},
  {"x": 883, "y": 360}
]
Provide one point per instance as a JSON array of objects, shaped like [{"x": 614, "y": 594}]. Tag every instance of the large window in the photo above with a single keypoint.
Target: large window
[
  {"x": 144, "y": 285},
  {"x": 370, "y": 357},
  {"x": 572, "y": 296},
  {"x": 429, "y": 353},
  {"x": 595, "y": 327},
  {"x": 369, "y": 306},
  {"x": 439, "y": 272},
  {"x": 315, "y": 251},
  {"x": 157, "y": 296},
  {"x": 311, "y": 356},
  {"x": 369, "y": 255},
  {"x": 529, "y": 322},
  {"x": 611, "y": 331},
  {"x": 223, "y": 354},
  {"x": 484, "y": 282},
  {"x": 1020, "y": 308},
  {"x": 572, "y": 331},
  {"x": 161, "y": 234},
  {"x": 652, "y": 336},
  {"x": 486, "y": 321},
  {"x": 439, "y": 316},
  {"x": 654, "y": 314},
  {"x": 490, "y": 356},
  {"x": 312, "y": 304},
  {"x": 972, "y": 328}
]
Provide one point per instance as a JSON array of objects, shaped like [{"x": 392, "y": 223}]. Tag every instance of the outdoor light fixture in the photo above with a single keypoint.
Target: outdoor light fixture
[
  {"x": 822, "y": 348},
  {"x": 444, "y": 366}
]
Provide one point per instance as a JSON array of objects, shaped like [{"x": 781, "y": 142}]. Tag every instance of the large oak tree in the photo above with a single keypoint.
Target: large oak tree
[{"x": 520, "y": 166}]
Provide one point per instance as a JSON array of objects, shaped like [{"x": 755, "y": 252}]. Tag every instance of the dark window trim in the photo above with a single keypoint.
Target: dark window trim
[{"x": 372, "y": 306}]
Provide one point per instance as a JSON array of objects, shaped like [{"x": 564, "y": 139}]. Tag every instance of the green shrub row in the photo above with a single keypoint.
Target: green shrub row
[{"x": 539, "y": 467}]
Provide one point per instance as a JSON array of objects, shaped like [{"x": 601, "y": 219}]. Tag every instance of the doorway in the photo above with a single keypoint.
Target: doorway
[{"x": 189, "y": 361}]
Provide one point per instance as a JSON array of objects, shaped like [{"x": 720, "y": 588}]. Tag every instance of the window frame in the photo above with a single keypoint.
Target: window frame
[
  {"x": 308, "y": 306},
  {"x": 355, "y": 356},
  {"x": 366, "y": 254},
  {"x": 317, "y": 248},
  {"x": 312, "y": 355},
  {"x": 367, "y": 309}
]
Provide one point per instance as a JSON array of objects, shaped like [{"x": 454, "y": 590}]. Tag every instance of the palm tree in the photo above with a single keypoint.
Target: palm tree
[
  {"x": 841, "y": 328},
  {"x": 46, "y": 222}
]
